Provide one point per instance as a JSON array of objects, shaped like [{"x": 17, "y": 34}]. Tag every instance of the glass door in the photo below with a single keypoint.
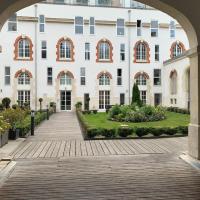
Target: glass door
[
  {"x": 104, "y": 99},
  {"x": 65, "y": 100}
]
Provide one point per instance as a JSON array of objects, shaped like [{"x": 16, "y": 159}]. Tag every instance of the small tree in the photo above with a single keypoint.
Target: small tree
[
  {"x": 136, "y": 95},
  {"x": 6, "y": 102},
  {"x": 40, "y": 100}
]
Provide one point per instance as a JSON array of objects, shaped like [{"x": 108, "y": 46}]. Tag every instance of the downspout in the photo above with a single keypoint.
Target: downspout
[
  {"x": 129, "y": 57},
  {"x": 36, "y": 57}
]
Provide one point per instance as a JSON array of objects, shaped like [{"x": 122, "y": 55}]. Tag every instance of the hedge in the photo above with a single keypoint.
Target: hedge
[
  {"x": 124, "y": 132},
  {"x": 178, "y": 110}
]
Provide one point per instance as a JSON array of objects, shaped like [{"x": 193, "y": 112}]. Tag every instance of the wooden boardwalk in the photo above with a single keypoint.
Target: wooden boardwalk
[{"x": 57, "y": 164}]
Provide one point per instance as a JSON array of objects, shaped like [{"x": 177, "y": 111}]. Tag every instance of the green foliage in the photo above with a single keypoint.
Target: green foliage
[
  {"x": 136, "y": 95},
  {"x": 4, "y": 126},
  {"x": 178, "y": 110},
  {"x": 135, "y": 113},
  {"x": 125, "y": 131},
  {"x": 109, "y": 133},
  {"x": 6, "y": 102},
  {"x": 78, "y": 105}
]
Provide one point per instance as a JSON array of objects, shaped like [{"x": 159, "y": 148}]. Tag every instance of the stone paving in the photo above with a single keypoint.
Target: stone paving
[{"x": 58, "y": 164}]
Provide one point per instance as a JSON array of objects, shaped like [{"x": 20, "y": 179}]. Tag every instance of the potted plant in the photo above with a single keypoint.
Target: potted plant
[
  {"x": 40, "y": 100},
  {"x": 4, "y": 126}
]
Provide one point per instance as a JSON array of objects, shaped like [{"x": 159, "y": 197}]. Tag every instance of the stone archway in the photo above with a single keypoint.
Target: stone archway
[{"x": 187, "y": 13}]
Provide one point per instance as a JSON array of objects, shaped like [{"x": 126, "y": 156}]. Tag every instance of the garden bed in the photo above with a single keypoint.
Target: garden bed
[{"x": 97, "y": 126}]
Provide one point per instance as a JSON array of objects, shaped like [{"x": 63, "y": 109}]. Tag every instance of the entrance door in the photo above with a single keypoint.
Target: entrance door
[
  {"x": 86, "y": 101},
  {"x": 157, "y": 99},
  {"x": 104, "y": 99},
  {"x": 65, "y": 100}
]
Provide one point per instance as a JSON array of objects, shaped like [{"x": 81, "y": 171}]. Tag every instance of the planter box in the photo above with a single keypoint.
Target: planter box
[
  {"x": 3, "y": 139},
  {"x": 13, "y": 134}
]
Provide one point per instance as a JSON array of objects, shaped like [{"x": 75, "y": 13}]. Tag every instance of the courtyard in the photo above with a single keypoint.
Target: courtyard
[{"x": 57, "y": 163}]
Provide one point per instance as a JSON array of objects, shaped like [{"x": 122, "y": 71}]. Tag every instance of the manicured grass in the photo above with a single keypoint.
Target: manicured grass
[{"x": 100, "y": 120}]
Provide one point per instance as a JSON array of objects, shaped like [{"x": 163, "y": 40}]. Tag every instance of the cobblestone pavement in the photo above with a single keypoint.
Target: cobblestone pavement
[{"x": 57, "y": 164}]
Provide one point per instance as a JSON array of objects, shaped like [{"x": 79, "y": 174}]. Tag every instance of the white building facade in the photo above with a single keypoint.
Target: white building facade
[{"x": 68, "y": 53}]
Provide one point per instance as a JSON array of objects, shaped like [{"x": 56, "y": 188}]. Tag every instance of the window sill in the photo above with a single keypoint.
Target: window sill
[
  {"x": 24, "y": 59},
  {"x": 141, "y": 61},
  {"x": 104, "y": 61},
  {"x": 65, "y": 60}
]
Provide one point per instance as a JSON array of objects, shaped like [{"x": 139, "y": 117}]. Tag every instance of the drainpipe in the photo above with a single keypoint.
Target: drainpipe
[
  {"x": 129, "y": 57},
  {"x": 36, "y": 57}
]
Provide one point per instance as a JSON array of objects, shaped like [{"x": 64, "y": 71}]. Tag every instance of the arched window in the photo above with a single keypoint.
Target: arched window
[
  {"x": 24, "y": 79},
  {"x": 141, "y": 52},
  {"x": 141, "y": 80},
  {"x": 177, "y": 49},
  {"x": 104, "y": 79},
  {"x": 65, "y": 79},
  {"x": 65, "y": 50},
  {"x": 173, "y": 82},
  {"x": 104, "y": 51},
  {"x": 23, "y": 48}
]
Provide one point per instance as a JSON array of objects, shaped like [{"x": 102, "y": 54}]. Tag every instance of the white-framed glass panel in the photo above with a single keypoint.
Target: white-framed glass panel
[
  {"x": 104, "y": 80},
  {"x": 157, "y": 52},
  {"x": 87, "y": 51},
  {"x": 157, "y": 77},
  {"x": 42, "y": 23},
  {"x": 65, "y": 80},
  {"x": 141, "y": 52},
  {"x": 44, "y": 49},
  {"x": 172, "y": 29},
  {"x": 7, "y": 75},
  {"x": 23, "y": 97},
  {"x": 120, "y": 27},
  {"x": 143, "y": 96},
  {"x": 177, "y": 50},
  {"x": 79, "y": 25},
  {"x": 24, "y": 48},
  {"x": 103, "y": 2},
  {"x": 104, "y": 51},
  {"x": 154, "y": 28},
  {"x": 119, "y": 76},
  {"x": 82, "y": 76},
  {"x": 104, "y": 99},
  {"x": 92, "y": 25},
  {"x": 49, "y": 76},
  {"x": 122, "y": 52},
  {"x": 12, "y": 23},
  {"x": 24, "y": 79},
  {"x": 141, "y": 80},
  {"x": 59, "y": 1},
  {"x": 139, "y": 28},
  {"x": 65, "y": 50}
]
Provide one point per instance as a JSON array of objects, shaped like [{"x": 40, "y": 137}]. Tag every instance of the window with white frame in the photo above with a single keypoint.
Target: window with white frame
[
  {"x": 157, "y": 52},
  {"x": 83, "y": 76},
  {"x": 154, "y": 28},
  {"x": 65, "y": 80},
  {"x": 143, "y": 96},
  {"x": 7, "y": 75},
  {"x": 79, "y": 25},
  {"x": 24, "y": 79},
  {"x": 177, "y": 50},
  {"x": 141, "y": 52},
  {"x": 104, "y": 79},
  {"x": 92, "y": 25},
  {"x": 24, "y": 48},
  {"x": 104, "y": 51},
  {"x": 49, "y": 76},
  {"x": 122, "y": 52},
  {"x": 87, "y": 51},
  {"x": 172, "y": 29},
  {"x": 44, "y": 49},
  {"x": 120, "y": 27},
  {"x": 157, "y": 77},
  {"x": 139, "y": 28},
  {"x": 104, "y": 99},
  {"x": 23, "y": 97},
  {"x": 65, "y": 50},
  {"x": 119, "y": 76},
  {"x": 42, "y": 23},
  {"x": 141, "y": 80},
  {"x": 12, "y": 23}
]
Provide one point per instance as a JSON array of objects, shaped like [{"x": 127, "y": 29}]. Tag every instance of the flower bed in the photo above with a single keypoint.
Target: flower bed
[{"x": 134, "y": 113}]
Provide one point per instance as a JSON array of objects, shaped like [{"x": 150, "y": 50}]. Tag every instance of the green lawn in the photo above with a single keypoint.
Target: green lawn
[{"x": 100, "y": 120}]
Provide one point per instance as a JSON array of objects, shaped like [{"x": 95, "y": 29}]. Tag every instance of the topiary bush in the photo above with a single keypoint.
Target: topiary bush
[
  {"x": 109, "y": 133},
  {"x": 124, "y": 131},
  {"x": 6, "y": 102}
]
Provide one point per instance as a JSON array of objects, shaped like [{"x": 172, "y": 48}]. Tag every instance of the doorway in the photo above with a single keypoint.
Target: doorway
[{"x": 65, "y": 100}]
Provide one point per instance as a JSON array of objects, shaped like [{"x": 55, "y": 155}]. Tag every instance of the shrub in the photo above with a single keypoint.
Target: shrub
[
  {"x": 1, "y": 107},
  {"x": 4, "y": 126},
  {"x": 114, "y": 111},
  {"x": 124, "y": 131},
  {"x": 6, "y": 102},
  {"x": 109, "y": 133},
  {"x": 95, "y": 111},
  {"x": 78, "y": 105},
  {"x": 140, "y": 132},
  {"x": 94, "y": 132}
]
